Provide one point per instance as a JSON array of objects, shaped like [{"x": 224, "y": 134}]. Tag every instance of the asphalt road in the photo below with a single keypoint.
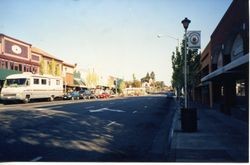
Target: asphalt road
[{"x": 132, "y": 129}]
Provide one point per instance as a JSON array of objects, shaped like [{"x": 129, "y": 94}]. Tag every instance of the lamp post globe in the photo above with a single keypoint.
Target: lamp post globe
[{"x": 185, "y": 23}]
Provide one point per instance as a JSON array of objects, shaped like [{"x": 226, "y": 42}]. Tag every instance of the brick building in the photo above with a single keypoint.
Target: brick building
[
  {"x": 227, "y": 74},
  {"x": 17, "y": 56}
]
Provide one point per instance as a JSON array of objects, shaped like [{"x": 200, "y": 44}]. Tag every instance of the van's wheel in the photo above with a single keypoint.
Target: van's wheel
[{"x": 27, "y": 99}]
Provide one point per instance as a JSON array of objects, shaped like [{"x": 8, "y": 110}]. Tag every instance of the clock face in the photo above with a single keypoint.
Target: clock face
[
  {"x": 16, "y": 49},
  {"x": 194, "y": 39}
]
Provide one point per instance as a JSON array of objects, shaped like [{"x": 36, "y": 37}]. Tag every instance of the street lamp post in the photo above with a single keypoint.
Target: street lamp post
[
  {"x": 188, "y": 115},
  {"x": 185, "y": 23}
]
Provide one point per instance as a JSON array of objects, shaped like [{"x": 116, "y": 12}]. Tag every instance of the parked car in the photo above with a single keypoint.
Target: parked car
[
  {"x": 87, "y": 94},
  {"x": 103, "y": 95},
  {"x": 75, "y": 95}
]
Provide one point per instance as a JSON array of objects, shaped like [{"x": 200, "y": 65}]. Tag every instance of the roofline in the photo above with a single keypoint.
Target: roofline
[
  {"x": 1, "y": 34},
  {"x": 223, "y": 17},
  {"x": 43, "y": 53},
  {"x": 67, "y": 64}
]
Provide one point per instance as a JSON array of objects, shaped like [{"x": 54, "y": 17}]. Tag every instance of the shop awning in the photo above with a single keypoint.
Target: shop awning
[
  {"x": 227, "y": 68},
  {"x": 6, "y": 72},
  {"x": 79, "y": 82}
]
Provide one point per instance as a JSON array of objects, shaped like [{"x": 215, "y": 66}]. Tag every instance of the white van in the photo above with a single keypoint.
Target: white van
[{"x": 27, "y": 86}]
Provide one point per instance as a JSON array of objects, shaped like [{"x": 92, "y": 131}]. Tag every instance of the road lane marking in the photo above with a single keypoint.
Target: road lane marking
[
  {"x": 113, "y": 122},
  {"x": 105, "y": 109},
  {"x": 89, "y": 107},
  {"x": 41, "y": 109},
  {"x": 36, "y": 159},
  {"x": 145, "y": 106},
  {"x": 98, "y": 110},
  {"x": 134, "y": 111}
]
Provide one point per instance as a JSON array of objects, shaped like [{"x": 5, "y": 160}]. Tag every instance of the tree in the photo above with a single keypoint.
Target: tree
[
  {"x": 53, "y": 67},
  {"x": 146, "y": 78},
  {"x": 121, "y": 85},
  {"x": 77, "y": 74},
  {"x": 92, "y": 79},
  {"x": 177, "y": 76},
  {"x": 159, "y": 85},
  {"x": 193, "y": 63},
  {"x": 152, "y": 76},
  {"x": 136, "y": 83},
  {"x": 134, "y": 78},
  {"x": 128, "y": 84},
  {"x": 42, "y": 66},
  {"x": 58, "y": 70}
]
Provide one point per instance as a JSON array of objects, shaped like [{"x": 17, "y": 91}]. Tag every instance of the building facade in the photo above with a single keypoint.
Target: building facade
[
  {"x": 17, "y": 56},
  {"x": 227, "y": 75},
  {"x": 48, "y": 64}
]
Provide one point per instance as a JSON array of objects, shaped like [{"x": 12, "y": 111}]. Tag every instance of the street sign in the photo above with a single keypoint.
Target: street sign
[{"x": 194, "y": 39}]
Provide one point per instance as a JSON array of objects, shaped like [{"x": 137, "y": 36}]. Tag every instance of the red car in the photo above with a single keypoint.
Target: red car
[{"x": 103, "y": 95}]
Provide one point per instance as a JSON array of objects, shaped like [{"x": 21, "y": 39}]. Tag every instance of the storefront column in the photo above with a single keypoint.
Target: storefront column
[
  {"x": 229, "y": 96},
  {"x": 211, "y": 95}
]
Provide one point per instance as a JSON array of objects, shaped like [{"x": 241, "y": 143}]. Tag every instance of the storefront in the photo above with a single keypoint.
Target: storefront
[{"x": 228, "y": 75}]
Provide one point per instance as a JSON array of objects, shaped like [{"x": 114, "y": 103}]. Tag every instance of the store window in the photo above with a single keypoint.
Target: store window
[
  {"x": 16, "y": 67},
  {"x": 237, "y": 49},
  {"x": 240, "y": 88},
  {"x": 6, "y": 65},
  {"x": 2, "y": 65},
  {"x": 11, "y": 65},
  {"x": 20, "y": 67}
]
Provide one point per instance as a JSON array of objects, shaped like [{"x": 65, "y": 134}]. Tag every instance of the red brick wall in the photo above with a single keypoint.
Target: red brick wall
[{"x": 8, "y": 49}]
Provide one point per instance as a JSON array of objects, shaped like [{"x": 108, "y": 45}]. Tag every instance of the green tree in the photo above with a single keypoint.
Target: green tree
[
  {"x": 92, "y": 79},
  {"x": 193, "y": 63},
  {"x": 134, "y": 78},
  {"x": 136, "y": 83},
  {"x": 53, "y": 67},
  {"x": 128, "y": 84},
  {"x": 177, "y": 76},
  {"x": 42, "y": 66},
  {"x": 152, "y": 76},
  {"x": 121, "y": 85},
  {"x": 77, "y": 74},
  {"x": 146, "y": 78},
  {"x": 58, "y": 70},
  {"x": 159, "y": 85}
]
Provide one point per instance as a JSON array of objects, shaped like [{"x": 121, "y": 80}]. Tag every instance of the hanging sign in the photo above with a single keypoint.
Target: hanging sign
[{"x": 194, "y": 39}]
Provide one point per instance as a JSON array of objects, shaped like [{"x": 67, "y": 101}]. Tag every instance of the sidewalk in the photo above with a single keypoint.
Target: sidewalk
[{"x": 220, "y": 138}]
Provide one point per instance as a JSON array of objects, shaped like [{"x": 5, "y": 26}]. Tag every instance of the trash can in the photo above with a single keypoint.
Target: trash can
[{"x": 189, "y": 119}]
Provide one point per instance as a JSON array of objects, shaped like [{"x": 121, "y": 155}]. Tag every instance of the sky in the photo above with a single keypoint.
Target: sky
[{"x": 113, "y": 37}]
